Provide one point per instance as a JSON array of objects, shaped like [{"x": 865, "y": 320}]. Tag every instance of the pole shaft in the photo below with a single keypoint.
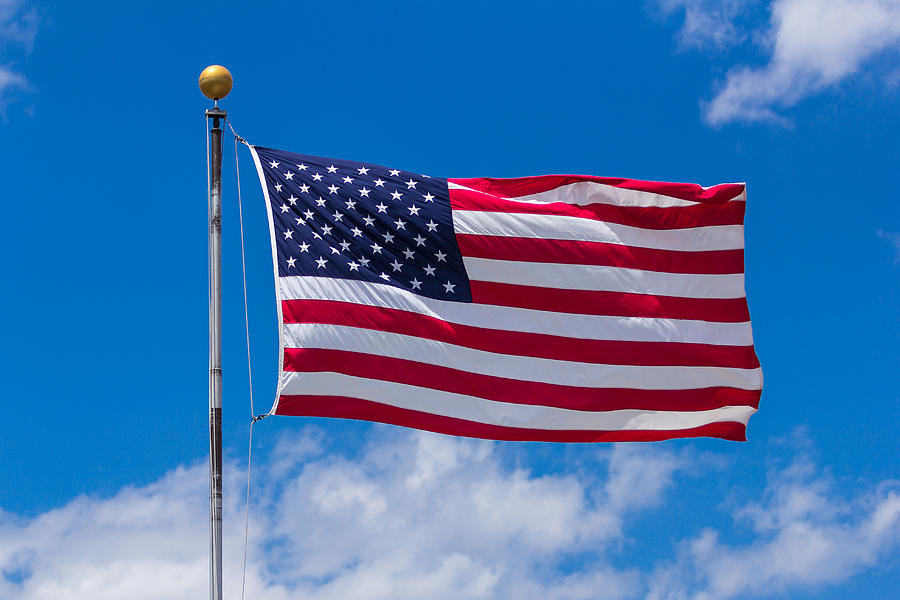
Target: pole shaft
[{"x": 215, "y": 359}]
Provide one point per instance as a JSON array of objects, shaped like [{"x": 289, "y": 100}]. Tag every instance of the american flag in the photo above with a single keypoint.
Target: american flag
[{"x": 549, "y": 308}]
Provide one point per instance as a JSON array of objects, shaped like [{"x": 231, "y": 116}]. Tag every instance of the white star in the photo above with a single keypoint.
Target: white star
[
  {"x": 351, "y": 204},
  {"x": 288, "y": 234},
  {"x": 302, "y": 167},
  {"x": 292, "y": 200},
  {"x": 320, "y": 201},
  {"x": 304, "y": 247},
  {"x": 332, "y": 169},
  {"x": 414, "y": 210},
  {"x": 291, "y": 261},
  {"x": 449, "y": 287},
  {"x": 363, "y": 170},
  {"x": 441, "y": 257},
  {"x": 364, "y": 261},
  {"x": 354, "y": 266},
  {"x": 317, "y": 177},
  {"x": 416, "y": 284},
  {"x": 397, "y": 266},
  {"x": 376, "y": 249},
  {"x": 299, "y": 221},
  {"x": 304, "y": 188},
  {"x": 431, "y": 225},
  {"x": 356, "y": 232},
  {"x": 321, "y": 262},
  {"x": 337, "y": 216},
  {"x": 288, "y": 175},
  {"x": 278, "y": 187},
  {"x": 429, "y": 271},
  {"x": 316, "y": 235},
  {"x": 379, "y": 182},
  {"x": 411, "y": 184},
  {"x": 388, "y": 238},
  {"x": 382, "y": 208},
  {"x": 308, "y": 214},
  {"x": 334, "y": 250},
  {"x": 347, "y": 180},
  {"x": 395, "y": 195},
  {"x": 429, "y": 197},
  {"x": 420, "y": 241},
  {"x": 332, "y": 189},
  {"x": 394, "y": 172},
  {"x": 364, "y": 192},
  {"x": 345, "y": 245},
  {"x": 408, "y": 254},
  {"x": 401, "y": 224},
  {"x": 369, "y": 221},
  {"x": 326, "y": 229},
  {"x": 274, "y": 164},
  {"x": 284, "y": 208},
  {"x": 385, "y": 276}
]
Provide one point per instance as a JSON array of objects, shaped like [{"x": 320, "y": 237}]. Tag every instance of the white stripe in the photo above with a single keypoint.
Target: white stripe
[
  {"x": 605, "y": 279},
  {"x": 557, "y": 227},
  {"x": 522, "y": 368},
  {"x": 591, "y": 192},
  {"x": 504, "y": 414},
  {"x": 593, "y": 327}
]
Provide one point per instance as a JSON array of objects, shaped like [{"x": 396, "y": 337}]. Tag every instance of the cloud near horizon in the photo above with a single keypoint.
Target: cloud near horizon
[{"x": 426, "y": 516}]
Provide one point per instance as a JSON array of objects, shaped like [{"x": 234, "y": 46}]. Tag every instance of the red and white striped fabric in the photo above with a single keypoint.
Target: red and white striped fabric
[{"x": 602, "y": 310}]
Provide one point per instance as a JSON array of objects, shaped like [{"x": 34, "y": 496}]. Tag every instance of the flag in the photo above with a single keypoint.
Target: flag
[{"x": 549, "y": 308}]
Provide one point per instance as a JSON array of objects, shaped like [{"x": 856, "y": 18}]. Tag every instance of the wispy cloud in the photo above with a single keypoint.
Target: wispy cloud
[
  {"x": 708, "y": 24},
  {"x": 893, "y": 238},
  {"x": 812, "y": 45},
  {"x": 18, "y": 28},
  {"x": 425, "y": 516},
  {"x": 18, "y": 23}
]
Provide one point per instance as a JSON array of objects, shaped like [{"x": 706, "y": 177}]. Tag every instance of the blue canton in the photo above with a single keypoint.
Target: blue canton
[{"x": 349, "y": 220}]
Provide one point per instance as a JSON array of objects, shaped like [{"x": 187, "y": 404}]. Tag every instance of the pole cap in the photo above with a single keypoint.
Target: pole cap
[{"x": 215, "y": 82}]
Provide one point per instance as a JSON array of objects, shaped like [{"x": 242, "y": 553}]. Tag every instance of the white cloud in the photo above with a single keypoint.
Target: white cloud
[
  {"x": 416, "y": 516},
  {"x": 814, "y": 45},
  {"x": 424, "y": 516}
]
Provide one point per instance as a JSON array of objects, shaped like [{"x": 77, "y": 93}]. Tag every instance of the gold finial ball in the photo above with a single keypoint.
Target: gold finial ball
[{"x": 215, "y": 82}]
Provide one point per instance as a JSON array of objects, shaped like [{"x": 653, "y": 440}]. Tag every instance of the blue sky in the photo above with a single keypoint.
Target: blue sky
[{"x": 103, "y": 365}]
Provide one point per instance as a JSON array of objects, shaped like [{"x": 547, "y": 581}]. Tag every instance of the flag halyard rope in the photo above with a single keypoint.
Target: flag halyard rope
[{"x": 253, "y": 417}]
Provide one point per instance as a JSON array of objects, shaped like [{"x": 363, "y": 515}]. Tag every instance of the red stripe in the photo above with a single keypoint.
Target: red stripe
[
  {"x": 716, "y": 262},
  {"x": 523, "y": 186},
  {"x": 512, "y": 391},
  {"x": 619, "y": 304},
  {"x": 650, "y": 217},
  {"x": 515, "y": 342},
  {"x": 343, "y": 407}
]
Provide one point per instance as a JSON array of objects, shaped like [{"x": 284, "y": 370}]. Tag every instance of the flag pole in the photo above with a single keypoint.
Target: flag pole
[{"x": 215, "y": 83}]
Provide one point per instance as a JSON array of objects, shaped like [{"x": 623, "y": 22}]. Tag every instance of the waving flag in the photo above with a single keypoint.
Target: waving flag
[{"x": 551, "y": 308}]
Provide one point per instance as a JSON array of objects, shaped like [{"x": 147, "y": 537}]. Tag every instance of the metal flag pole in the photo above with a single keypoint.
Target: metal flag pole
[{"x": 215, "y": 83}]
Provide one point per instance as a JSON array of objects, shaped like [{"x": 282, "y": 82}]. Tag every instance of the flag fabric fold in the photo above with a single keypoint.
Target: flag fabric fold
[{"x": 548, "y": 308}]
